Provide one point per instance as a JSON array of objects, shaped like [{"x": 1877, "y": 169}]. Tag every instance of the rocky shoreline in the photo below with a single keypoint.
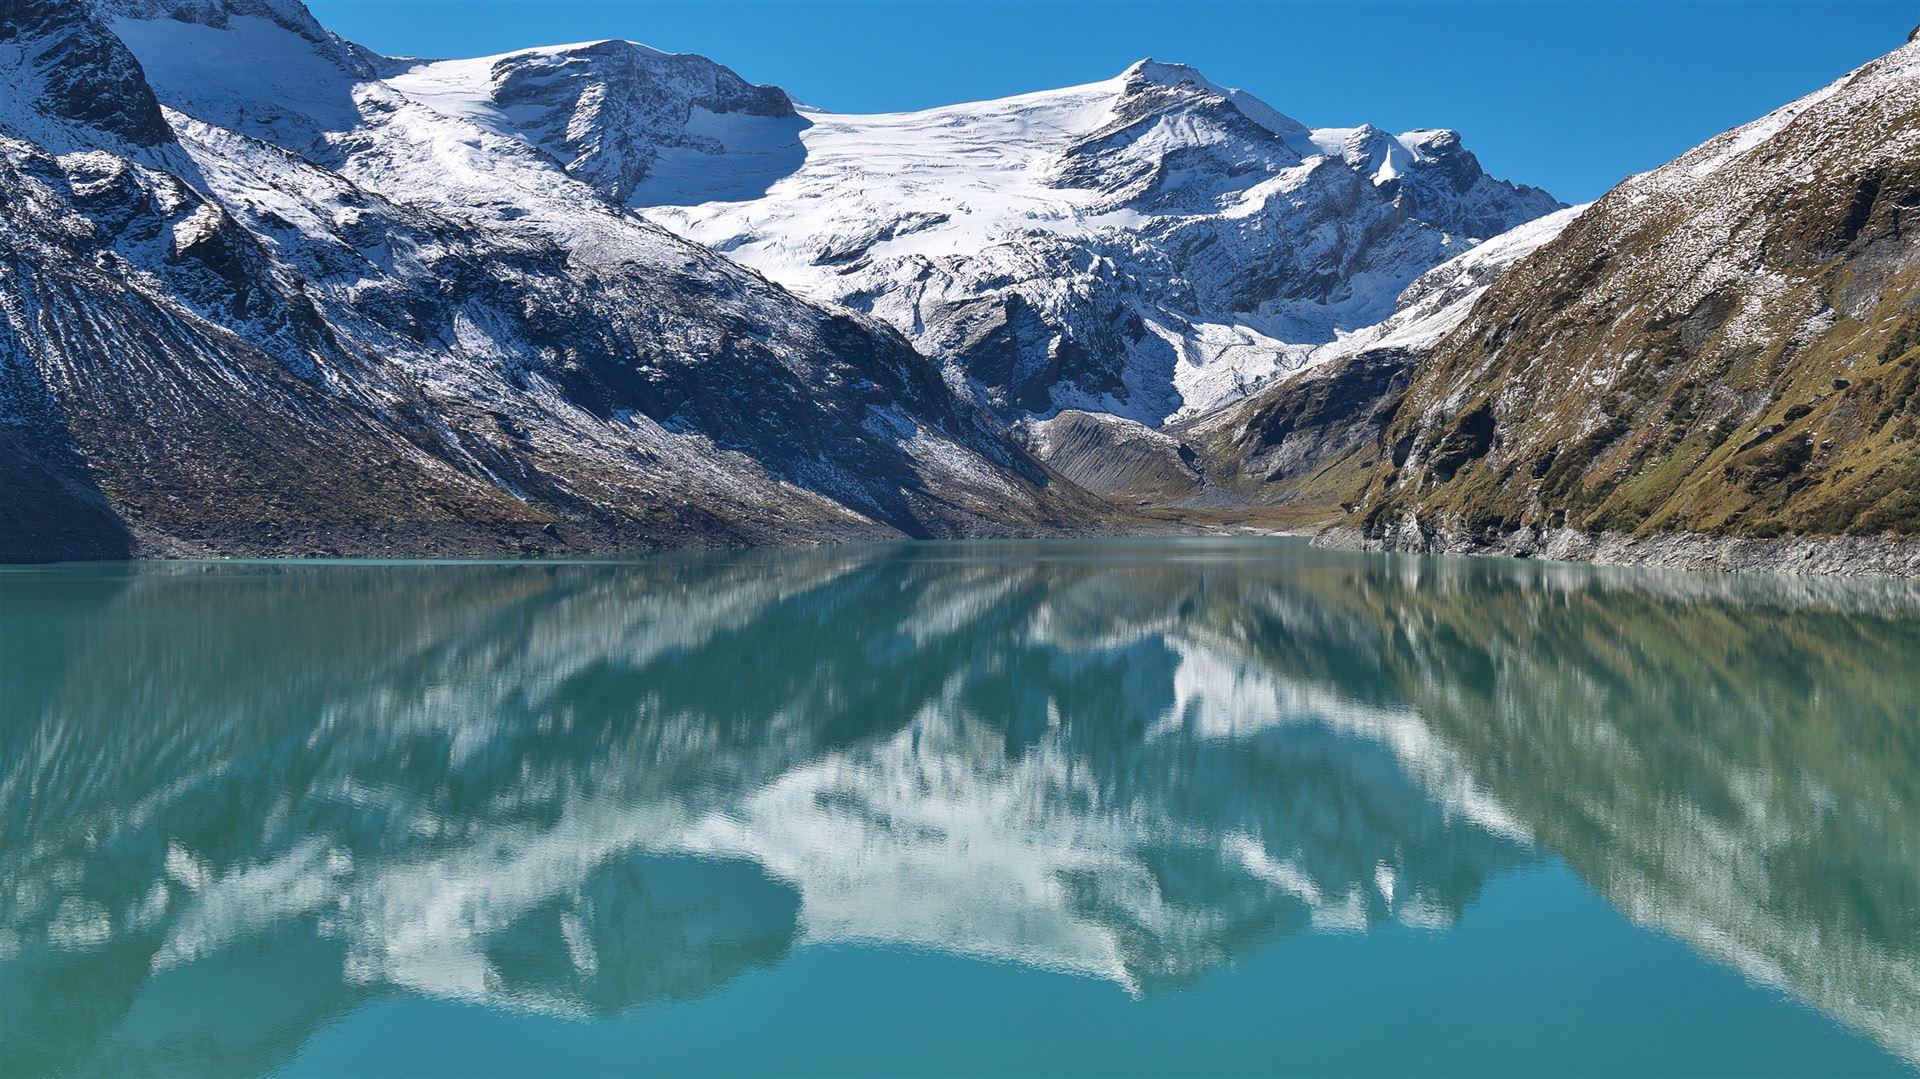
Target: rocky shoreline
[
  {"x": 1881, "y": 556},
  {"x": 111, "y": 540},
  {"x": 1831, "y": 556}
]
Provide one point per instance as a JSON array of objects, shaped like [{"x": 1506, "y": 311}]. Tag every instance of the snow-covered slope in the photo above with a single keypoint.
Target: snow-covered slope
[
  {"x": 293, "y": 310},
  {"x": 619, "y": 114},
  {"x": 1152, "y": 245}
]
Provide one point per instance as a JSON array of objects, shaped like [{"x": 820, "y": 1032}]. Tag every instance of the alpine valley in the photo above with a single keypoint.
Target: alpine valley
[{"x": 266, "y": 292}]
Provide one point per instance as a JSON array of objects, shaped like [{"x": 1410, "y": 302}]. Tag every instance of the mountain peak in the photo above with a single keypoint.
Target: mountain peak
[
  {"x": 1150, "y": 74},
  {"x": 1387, "y": 158},
  {"x": 605, "y": 109},
  {"x": 1166, "y": 74},
  {"x": 1435, "y": 140},
  {"x": 219, "y": 14},
  {"x": 606, "y": 46}
]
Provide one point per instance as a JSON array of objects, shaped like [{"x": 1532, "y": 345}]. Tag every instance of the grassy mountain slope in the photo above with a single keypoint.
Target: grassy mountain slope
[{"x": 1728, "y": 345}]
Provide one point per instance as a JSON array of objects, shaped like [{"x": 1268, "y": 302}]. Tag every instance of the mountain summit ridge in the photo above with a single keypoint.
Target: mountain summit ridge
[
  {"x": 1715, "y": 365},
  {"x": 1089, "y": 247},
  {"x": 1722, "y": 344}
]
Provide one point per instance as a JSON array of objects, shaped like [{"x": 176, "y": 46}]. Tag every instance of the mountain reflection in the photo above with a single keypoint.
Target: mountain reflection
[{"x": 585, "y": 789}]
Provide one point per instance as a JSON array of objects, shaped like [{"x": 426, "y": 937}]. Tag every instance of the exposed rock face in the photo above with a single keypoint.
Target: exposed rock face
[
  {"x": 68, "y": 69},
  {"x": 1312, "y": 420},
  {"x": 606, "y": 109},
  {"x": 1116, "y": 457},
  {"x": 215, "y": 344},
  {"x": 1728, "y": 345}
]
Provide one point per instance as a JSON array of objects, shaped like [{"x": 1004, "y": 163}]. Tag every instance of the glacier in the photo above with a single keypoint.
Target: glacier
[{"x": 1151, "y": 246}]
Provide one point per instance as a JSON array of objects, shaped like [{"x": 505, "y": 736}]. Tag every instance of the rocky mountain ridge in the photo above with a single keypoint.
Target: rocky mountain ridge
[
  {"x": 1726, "y": 346},
  {"x": 245, "y": 326},
  {"x": 1710, "y": 367},
  {"x": 1265, "y": 457},
  {"x": 1087, "y": 247}
]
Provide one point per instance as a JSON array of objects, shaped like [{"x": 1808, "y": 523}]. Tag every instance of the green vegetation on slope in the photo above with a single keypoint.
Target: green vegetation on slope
[{"x": 1729, "y": 345}]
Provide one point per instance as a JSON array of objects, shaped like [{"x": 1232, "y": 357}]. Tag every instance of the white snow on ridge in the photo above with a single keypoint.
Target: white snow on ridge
[
  {"x": 968, "y": 175},
  {"x": 252, "y": 64},
  {"x": 1151, "y": 245},
  {"x": 464, "y": 88},
  {"x": 972, "y": 174},
  {"x": 461, "y": 88},
  {"x": 1742, "y": 139},
  {"x": 1134, "y": 217}
]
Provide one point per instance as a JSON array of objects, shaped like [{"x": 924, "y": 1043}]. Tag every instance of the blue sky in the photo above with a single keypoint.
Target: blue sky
[{"x": 1569, "y": 96}]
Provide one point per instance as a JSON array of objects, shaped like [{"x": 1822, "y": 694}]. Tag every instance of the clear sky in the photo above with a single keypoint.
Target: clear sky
[{"x": 1569, "y": 96}]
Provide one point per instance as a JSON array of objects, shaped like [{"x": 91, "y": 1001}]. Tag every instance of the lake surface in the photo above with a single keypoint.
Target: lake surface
[{"x": 1184, "y": 807}]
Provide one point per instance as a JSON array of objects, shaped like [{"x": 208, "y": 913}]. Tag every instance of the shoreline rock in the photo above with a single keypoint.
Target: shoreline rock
[{"x": 1844, "y": 556}]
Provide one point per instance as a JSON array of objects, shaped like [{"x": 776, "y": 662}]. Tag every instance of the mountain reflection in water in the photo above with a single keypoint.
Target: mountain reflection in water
[{"x": 583, "y": 789}]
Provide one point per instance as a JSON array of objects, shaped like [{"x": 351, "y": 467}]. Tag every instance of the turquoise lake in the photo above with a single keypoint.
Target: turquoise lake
[{"x": 1184, "y": 807}]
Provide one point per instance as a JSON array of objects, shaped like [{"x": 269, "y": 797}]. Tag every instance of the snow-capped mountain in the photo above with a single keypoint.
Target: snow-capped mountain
[
  {"x": 1150, "y": 246},
  {"x": 257, "y": 300}
]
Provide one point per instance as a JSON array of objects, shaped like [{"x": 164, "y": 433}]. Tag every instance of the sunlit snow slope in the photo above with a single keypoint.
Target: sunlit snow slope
[{"x": 1152, "y": 245}]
